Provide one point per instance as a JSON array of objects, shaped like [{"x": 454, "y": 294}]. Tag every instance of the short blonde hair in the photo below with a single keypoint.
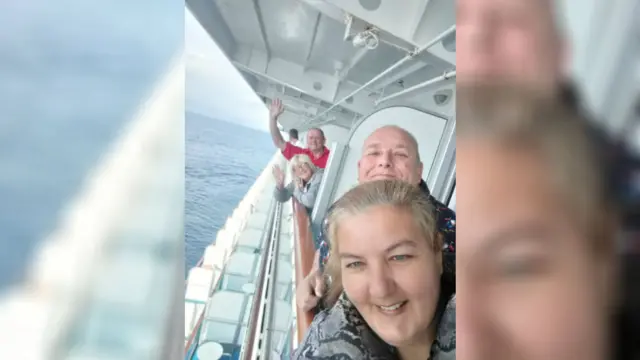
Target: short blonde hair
[
  {"x": 519, "y": 118},
  {"x": 302, "y": 159},
  {"x": 394, "y": 193}
]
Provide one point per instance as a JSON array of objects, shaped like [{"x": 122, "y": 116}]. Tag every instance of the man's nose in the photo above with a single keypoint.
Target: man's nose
[{"x": 385, "y": 159}]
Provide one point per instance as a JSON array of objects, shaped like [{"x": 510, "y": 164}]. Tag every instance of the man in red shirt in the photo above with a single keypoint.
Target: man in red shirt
[{"x": 316, "y": 150}]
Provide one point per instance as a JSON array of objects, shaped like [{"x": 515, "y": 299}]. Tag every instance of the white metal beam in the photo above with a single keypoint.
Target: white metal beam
[
  {"x": 245, "y": 68},
  {"x": 263, "y": 35},
  {"x": 399, "y": 75},
  {"x": 419, "y": 16},
  {"x": 399, "y": 63},
  {"x": 435, "y": 80},
  {"x": 301, "y": 107},
  {"x": 292, "y": 75},
  {"x": 352, "y": 63},
  {"x": 293, "y": 102},
  {"x": 312, "y": 41},
  {"x": 325, "y": 8},
  {"x": 208, "y": 15}
]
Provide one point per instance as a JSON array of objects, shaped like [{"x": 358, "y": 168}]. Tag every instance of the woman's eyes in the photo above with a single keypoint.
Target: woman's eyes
[
  {"x": 359, "y": 264},
  {"x": 521, "y": 267},
  {"x": 401, "y": 257},
  {"x": 354, "y": 264}
]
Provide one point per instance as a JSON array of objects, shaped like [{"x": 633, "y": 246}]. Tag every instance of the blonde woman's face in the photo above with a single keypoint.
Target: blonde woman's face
[
  {"x": 303, "y": 171},
  {"x": 390, "y": 273},
  {"x": 529, "y": 286}
]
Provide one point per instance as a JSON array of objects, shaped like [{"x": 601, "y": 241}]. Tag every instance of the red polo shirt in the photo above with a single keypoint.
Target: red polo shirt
[{"x": 320, "y": 161}]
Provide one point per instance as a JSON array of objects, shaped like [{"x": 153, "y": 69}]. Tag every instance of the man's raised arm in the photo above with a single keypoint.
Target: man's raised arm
[{"x": 275, "y": 110}]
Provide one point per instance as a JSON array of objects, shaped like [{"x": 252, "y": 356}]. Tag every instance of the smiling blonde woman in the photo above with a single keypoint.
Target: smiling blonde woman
[{"x": 386, "y": 266}]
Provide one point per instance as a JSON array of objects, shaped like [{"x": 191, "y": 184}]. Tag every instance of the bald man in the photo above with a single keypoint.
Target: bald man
[{"x": 390, "y": 152}]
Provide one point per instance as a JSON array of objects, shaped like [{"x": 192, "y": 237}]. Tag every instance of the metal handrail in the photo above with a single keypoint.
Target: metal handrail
[
  {"x": 248, "y": 343},
  {"x": 305, "y": 253},
  {"x": 195, "y": 334},
  {"x": 271, "y": 285}
]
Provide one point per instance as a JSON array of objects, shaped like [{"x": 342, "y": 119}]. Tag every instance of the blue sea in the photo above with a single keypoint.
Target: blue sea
[{"x": 223, "y": 160}]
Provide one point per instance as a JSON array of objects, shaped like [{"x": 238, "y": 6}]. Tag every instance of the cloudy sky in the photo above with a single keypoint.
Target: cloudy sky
[{"x": 214, "y": 87}]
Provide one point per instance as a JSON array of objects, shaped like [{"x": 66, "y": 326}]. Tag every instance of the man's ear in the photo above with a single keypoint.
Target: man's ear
[{"x": 420, "y": 168}]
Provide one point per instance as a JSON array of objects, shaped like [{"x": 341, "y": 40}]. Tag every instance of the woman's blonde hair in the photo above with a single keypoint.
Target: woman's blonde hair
[
  {"x": 393, "y": 193},
  {"x": 301, "y": 159},
  {"x": 519, "y": 118}
]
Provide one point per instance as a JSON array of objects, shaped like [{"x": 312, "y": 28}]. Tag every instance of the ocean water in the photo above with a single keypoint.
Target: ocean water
[{"x": 222, "y": 161}]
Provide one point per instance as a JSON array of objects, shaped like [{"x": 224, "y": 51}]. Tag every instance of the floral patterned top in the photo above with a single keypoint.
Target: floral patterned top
[{"x": 340, "y": 333}]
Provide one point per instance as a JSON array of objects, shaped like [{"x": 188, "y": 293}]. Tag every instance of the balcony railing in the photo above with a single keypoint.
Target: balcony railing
[{"x": 304, "y": 252}]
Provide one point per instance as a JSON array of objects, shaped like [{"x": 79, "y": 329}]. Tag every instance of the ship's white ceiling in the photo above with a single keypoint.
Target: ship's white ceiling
[{"x": 296, "y": 49}]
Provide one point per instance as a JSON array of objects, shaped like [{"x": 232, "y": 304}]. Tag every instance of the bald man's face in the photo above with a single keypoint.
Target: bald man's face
[
  {"x": 389, "y": 153},
  {"x": 507, "y": 40}
]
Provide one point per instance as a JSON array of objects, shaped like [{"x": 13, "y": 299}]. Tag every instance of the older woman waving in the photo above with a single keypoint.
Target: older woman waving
[{"x": 305, "y": 185}]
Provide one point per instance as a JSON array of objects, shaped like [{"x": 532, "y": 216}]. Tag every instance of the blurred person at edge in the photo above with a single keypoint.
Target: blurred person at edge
[
  {"x": 510, "y": 41},
  {"x": 520, "y": 43},
  {"x": 537, "y": 275}
]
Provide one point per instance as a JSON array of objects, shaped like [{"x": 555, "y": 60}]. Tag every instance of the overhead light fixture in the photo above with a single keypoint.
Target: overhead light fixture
[
  {"x": 442, "y": 97},
  {"x": 367, "y": 38},
  {"x": 449, "y": 42}
]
